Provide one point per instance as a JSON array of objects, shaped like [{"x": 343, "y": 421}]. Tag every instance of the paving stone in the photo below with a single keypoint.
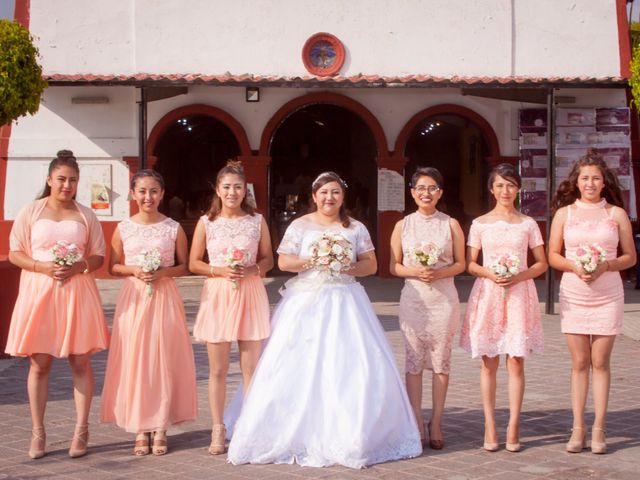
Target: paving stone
[{"x": 546, "y": 416}]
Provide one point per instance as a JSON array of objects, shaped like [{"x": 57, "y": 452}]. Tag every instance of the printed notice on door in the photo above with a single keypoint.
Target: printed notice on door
[{"x": 390, "y": 191}]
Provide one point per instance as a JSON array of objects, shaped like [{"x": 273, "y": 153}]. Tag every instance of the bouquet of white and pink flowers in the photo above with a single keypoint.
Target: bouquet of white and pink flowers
[
  {"x": 590, "y": 256},
  {"x": 426, "y": 254},
  {"x": 331, "y": 253},
  {"x": 505, "y": 265},
  {"x": 235, "y": 257},
  {"x": 65, "y": 254},
  {"x": 149, "y": 261}
]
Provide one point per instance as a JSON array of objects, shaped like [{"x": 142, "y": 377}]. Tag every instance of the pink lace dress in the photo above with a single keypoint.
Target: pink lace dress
[
  {"x": 429, "y": 314},
  {"x": 226, "y": 313},
  {"x": 499, "y": 321},
  {"x": 591, "y": 308},
  {"x": 58, "y": 319},
  {"x": 150, "y": 382}
]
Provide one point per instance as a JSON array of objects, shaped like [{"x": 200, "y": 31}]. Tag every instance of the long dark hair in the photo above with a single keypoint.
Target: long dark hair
[
  {"x": 147, "y": 172},
  {"x": 568, "y": 191},
  {"x": 63, "y": 158},
  {"x": 320, "y": 181},
  {"x": 233, "y": 167}
]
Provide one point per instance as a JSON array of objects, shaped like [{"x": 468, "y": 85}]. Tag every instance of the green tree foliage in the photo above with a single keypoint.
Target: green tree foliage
[{"x": 21, "y": 83}]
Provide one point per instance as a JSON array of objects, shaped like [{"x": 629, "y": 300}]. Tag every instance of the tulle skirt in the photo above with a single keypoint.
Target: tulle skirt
[
  {"x": 150, "y": 382},
  {"x": 57, "y": 319},
  {"x": 227, "y": 314},
  {"x": 326, "y": 390}
]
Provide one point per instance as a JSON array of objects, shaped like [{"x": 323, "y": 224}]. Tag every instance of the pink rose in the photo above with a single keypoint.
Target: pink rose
[
  {"x": 580, "y": 252},
  {"x": 237, "y": 255}
]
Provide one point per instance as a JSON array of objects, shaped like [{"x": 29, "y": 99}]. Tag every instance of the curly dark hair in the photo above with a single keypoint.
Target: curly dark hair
[{"x": 568, "y": 192}]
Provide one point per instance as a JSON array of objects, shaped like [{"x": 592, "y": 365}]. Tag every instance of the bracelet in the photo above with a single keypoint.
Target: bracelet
[
  {"x": 35, "y": 262},
  {"x": 259, "y": 271},
  {"x": 86, "y": 263},
  {"x": 608, "y": 265},
  {"x": 211, "y": 271}
]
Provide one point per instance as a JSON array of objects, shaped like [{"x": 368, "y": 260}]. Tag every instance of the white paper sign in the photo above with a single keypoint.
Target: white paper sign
[{"x": 390, "y": 191}]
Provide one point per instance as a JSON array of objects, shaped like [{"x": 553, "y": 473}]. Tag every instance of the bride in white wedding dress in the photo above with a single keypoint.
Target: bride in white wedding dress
[{"x": 326, "y": 390}]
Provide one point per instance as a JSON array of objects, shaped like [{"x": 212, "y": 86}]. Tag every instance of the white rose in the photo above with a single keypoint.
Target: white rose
[
  {"x": 335, "y": 266},
  {"x": 337, "y": 249}
]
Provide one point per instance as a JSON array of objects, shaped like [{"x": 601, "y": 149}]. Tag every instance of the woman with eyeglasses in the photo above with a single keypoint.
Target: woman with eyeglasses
[{"x": 427, "y": 249}]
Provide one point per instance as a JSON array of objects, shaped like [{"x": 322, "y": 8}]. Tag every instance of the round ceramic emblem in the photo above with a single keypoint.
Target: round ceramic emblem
[{"x": 323, "y": 55}]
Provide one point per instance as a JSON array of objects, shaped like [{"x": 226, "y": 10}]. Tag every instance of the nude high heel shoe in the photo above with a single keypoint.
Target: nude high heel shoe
[
  {"x": 576, "y": 446},
  {"x": 218, "y": 439},
  {"x": 512, "y": 447},
  {"x": 598, "y": 447},
  {"x": 38, "y": 437},
  {"x": 81, "y": 434}
]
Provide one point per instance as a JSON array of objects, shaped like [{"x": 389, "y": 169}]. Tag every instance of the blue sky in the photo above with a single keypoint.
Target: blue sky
[{"x": 6, "y": 9}]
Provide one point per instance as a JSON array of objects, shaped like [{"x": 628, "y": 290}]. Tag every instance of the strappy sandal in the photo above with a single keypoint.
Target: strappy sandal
[
  {"x": 39, "y": 437},
  {"x": 81, "y": 434},
  {"x": 218, "y": 438},
  {"x": 141, "y": 447},
  {"x": 159, "y": 442}
]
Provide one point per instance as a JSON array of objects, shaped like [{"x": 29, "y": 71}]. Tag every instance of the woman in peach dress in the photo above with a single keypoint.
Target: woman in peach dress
[
  {"x": 150, "y": 382},
  {"x": 503, "y": 312},
  {"x": 588, "y": 210},
  {"x": 234, "y": 304},
  {"x": 429, "y": 311},
  {"x": 58, "y": 312}
]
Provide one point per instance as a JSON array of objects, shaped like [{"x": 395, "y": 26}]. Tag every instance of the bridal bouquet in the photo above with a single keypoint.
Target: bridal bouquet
[
  {"x": 235, "y": 257},
  {"x": 149, "y": 261},
  {"x": 505, "y": 265},
  {"x": 427, "y": 254},
  {"x": 331, "y": 253},
  {"x": 65, "y": 254},
  {"x": 590, "y": 256}
]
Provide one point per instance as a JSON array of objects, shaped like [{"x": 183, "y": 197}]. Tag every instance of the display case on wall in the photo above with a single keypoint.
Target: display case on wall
[{"x": 577, "y": 129}]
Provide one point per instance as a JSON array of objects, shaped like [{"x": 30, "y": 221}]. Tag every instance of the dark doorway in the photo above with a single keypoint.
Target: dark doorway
[
  {"x": 190, "y": 154},
  {"x": 455, "y": 146},
  {"x": 312, "y": 140}
]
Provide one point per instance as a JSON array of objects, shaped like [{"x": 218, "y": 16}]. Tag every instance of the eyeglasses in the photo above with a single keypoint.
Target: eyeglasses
[{"x": 431, "y": 189}]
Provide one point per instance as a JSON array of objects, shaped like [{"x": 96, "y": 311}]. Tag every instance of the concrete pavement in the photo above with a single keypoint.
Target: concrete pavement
[{"x": 546, "y": 417}]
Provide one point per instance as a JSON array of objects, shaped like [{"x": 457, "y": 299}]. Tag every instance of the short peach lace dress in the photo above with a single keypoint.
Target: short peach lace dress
[{"x": 226, "y": 313}]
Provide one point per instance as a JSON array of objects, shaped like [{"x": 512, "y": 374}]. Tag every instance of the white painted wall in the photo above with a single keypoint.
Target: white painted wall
[
  {"x": 265, "y": 37},
  {"x": 106, "y": 133}
]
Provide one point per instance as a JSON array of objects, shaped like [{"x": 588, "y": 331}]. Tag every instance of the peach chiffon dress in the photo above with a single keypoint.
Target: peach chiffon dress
[
  {"x": 593, "y": 308},
  {"x": 58, "y": 319},
  {"x": 226, "y": 313},
  {"x": 150, "y": 382}
]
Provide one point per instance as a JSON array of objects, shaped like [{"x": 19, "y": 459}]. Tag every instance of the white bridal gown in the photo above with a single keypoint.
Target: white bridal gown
[{"x": 326, "y": 390}]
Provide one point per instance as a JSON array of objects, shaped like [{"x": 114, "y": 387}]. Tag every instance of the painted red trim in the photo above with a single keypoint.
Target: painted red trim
[
  {"x": 5, "y": 134},
  {"x": 327, "y": 98},
  {"x": 197, "y": 109},
  {"x": 334, "y": 68},
  {"x": 22, "y": 12},
  {"x": 450, "y": 109},
  {"x": 624, "y": 42}
]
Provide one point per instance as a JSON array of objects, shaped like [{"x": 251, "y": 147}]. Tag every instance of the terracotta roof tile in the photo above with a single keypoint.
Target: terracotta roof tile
[{"x": 360, "y": 80}]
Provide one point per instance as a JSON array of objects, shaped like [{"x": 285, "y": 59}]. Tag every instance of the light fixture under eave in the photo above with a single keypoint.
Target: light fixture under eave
[
  {"x": 89, "y": 100},
  {"x": 252, "y": 94}
]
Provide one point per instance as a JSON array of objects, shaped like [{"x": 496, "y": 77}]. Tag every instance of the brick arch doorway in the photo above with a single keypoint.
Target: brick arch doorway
[
  {"x": 188, "y": 146},
  {"x": 315, "y": 133},
  {"x": 463, "y": 146}
]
